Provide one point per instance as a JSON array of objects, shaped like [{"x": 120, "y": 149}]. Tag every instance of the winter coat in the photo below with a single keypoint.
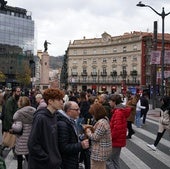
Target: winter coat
[
  {"x": 132, "y": 102},
  {"x": 118, "y": 124},
  {"x": 84, "y": 111},
  {"x": 25, "y": 116},
  {"x": 10, "y": 108},
  {"x": 69, "y": 145},
  {"x": 164, "y": 122},
  {"x": 43, "y": 141},
  {"x": 42, "y": 104},
  {"x": 144, "y": 102},
  {"x": 101, "y": 140}
]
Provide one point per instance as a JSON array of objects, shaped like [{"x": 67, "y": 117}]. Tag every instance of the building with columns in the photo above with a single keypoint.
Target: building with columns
[{"x": 111, "y": 63}]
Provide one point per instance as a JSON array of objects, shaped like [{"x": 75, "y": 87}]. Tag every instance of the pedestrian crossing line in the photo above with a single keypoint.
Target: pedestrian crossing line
[
  {"x": 10, "y": 162},
  {"x": 159, "y": 155},
  {"x": 152, "y": 136},
  {"x": 152, "y": 121},
  {"x": 132, "y": 161}
]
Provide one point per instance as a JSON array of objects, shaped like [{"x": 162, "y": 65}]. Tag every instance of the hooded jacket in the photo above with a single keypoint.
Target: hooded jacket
[{"x": 43, "y": 141}]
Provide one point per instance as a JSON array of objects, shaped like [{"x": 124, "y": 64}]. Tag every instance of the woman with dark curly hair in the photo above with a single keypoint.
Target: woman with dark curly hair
[
  {"x": 164, "y": 122},
  {"x": 100, "y": 136}
]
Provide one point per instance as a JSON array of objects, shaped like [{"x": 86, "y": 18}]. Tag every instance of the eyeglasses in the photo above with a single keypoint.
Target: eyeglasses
[{"x": 75, "y": 109}]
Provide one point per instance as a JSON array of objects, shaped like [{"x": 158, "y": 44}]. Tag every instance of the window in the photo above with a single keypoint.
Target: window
[
  {"x": 124, "y": 68},
  {"x": 104, "y": 78},
  {"x": 75, "y": 52},
  {"x": 135, "y": 47},
  {"x": 94, "y": 79},
  {"x": 104, "y": 51},
  {"x": 84, "y": 61},
  {"x": 84, "y": 70},
  {"x": 114, "y": 60},
  {"x": 134, "y": 58},
  {"x": 85, "y": 51},
  {"x": 124, "y": 59},
  {"x": 114, "y": 50},
  {"x": 94, "y": 51},
  {"x": 84, "y": 78},
  {"x": 124, "y": 48},
  {"x": 94, "y": 70},
  {"x": 94, "y": 61},
  {"x": 104, "y": 60},
  {"x": 104, "y": 69}
]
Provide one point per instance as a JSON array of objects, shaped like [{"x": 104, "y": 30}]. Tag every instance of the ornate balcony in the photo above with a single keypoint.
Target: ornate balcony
[
  {"x": 114, "y": 73},
  {"x": 74, "y": 73},
  {"x": 84, "y": 73},
  {"x": 93, "y": 73},
  {"x": 134, "y": 73},
  {"x": 103, "y": 73},
  {"x": 123, "y": 73}
]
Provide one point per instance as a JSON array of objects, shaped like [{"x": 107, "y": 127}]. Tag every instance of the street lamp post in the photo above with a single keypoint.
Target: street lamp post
[{"x": 163, "y": 14}]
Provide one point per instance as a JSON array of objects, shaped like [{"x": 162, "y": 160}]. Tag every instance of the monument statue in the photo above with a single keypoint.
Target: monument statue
[
  {"x": 3, "y": 4},
  {"x": 46, "y": 45}
]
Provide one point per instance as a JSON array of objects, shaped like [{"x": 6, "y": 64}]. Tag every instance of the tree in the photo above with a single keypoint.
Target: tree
[
  {"x": 2, "y": 77},
  {"x": 24, "y": 76}
]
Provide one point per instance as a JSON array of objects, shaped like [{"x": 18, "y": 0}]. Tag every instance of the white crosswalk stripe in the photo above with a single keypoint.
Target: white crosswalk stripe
[
  {"x": 159, "y": 155},
  {"x": 152, "y": 136},
  {"x": 132, "y": 161}
]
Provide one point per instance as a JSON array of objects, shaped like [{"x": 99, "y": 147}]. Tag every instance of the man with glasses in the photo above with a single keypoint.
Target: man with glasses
[{"x": 69, "y": 144}]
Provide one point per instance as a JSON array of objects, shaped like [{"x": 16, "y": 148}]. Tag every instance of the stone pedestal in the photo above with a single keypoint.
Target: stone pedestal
[{"x": 44, "y": 73}]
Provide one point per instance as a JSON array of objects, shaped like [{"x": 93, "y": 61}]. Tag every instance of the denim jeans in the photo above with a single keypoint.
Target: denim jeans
[{"x": 137, "y": 118}]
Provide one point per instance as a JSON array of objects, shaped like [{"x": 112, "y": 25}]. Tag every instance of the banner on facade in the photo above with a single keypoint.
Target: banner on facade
[
  {"x": 155, "y": 57},
  {"x": 167, "y": 57},
  {"x": 166, "y": 73}
]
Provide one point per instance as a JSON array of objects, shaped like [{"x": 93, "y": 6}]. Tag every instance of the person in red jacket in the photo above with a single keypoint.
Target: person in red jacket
[{"x": 118, "y": 124}]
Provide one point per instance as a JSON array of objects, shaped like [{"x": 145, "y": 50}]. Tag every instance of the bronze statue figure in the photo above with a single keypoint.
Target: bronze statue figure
[{"x": 46, "y": 45}]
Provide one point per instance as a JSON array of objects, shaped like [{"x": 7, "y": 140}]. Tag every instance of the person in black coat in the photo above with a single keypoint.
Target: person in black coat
[
  {"x": 145, "y": 103},
  {"x": 43, "y": 140},
  {"x": 69, "y": 144}
]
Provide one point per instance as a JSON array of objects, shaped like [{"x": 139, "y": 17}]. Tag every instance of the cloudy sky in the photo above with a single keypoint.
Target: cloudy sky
[{"x": 61, "y": 21}]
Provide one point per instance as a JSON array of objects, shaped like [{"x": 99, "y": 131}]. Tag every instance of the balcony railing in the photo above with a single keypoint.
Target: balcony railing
[
  {"x": 93, "y": 73},
  {"x": 74, "y": 73},
  {"x": 134, "y": 73},
  {"x": 123, "y": 73},
  {"x": 114, "y": 73},
  {"x": 103, "y": 73},
  {"x": 84, "y": 73},
  {"x": 101, "y": 81}
]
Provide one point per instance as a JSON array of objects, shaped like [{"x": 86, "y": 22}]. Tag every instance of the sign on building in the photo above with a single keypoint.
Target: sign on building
[
  {"x": 155, "y": 57},
  {"x": 167, "y": 57}
]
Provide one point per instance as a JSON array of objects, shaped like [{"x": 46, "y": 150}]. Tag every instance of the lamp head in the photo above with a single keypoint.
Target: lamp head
[{"x": 140, "y": 4}]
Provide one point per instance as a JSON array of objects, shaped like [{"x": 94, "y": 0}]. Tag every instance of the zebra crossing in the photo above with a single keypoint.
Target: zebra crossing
[{"x": 136, "y": 154}]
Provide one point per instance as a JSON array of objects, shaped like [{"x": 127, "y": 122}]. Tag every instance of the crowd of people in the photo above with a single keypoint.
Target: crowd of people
[{"x": 60, "y": 129}]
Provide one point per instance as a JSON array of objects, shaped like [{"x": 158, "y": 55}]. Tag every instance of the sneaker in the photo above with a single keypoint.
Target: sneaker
[{"x": 152, "y": 147}]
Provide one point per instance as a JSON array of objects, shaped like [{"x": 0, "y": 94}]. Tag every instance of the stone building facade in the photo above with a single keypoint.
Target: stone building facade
[{"x": 110, "y": 63}]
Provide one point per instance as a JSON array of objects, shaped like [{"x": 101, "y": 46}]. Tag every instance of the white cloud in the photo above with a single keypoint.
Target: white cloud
[{"x": 60, "y": 21}]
